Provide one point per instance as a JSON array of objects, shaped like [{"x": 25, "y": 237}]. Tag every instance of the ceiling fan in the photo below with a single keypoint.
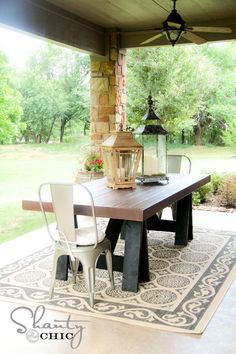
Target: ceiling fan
[{"x": 175, "y": 27}]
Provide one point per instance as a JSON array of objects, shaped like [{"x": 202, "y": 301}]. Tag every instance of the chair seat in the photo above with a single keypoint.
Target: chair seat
[{"x": 85, "y": 236}]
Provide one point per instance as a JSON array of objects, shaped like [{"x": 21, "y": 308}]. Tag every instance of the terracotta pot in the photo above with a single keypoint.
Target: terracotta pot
[{"x": 86, "y": 176}]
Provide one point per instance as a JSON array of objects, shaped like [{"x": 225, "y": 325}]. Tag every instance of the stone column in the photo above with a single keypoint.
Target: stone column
[{"x": 107, "y": 92}]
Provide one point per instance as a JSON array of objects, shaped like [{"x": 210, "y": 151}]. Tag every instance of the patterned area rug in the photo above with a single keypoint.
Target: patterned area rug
[{"x": 186, "y": 284}]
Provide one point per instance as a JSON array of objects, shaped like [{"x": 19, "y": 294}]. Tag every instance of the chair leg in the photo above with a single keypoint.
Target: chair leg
[
  {"x": 57, "y": 254},
  {"x": 89, "y": 263},
  {"x": 92, "y": 285},
  {"x": 109, "y": 267},
  {"x": 74, "y": 269},
  {"x": 89, "y": 273}
]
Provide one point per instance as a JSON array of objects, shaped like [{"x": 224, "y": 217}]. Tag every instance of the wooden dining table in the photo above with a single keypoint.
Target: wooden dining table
[{"x": 131, "y": 213}]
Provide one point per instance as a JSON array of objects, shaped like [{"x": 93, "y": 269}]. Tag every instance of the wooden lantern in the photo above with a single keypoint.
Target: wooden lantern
[{"x": 121, "y": 156}]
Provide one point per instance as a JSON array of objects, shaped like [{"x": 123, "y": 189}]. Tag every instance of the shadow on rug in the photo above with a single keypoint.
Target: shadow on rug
[{"x": 186, "y": 284}]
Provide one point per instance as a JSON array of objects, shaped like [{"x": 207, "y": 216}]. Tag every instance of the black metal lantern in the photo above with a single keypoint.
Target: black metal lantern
[
  {"x": 174, "y": 26},
  {"x": 154, "y": 152}
]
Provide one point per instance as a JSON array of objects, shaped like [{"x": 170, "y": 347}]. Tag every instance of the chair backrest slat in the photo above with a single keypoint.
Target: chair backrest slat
[
  {"x": 178, "y": 164},
  {"x": 62, "y": 199},
  {"x": 63, "y": 196}
]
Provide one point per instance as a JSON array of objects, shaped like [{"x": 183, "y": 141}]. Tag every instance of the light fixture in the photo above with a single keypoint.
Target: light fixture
[{"x": 173, "y": 26}]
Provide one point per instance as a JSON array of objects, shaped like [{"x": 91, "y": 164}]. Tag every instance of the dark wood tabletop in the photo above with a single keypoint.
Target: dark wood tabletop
[
  {"x": 131, "y": 204},
  {"x": 132, "y": 212}
]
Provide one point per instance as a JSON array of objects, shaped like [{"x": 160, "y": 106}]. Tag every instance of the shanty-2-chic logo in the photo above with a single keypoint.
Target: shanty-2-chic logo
[{"x": 30, "y": 322}]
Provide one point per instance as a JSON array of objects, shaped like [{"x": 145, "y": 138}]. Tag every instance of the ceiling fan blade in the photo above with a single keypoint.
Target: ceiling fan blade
[
  {"x": 193, "y": 38},
  {"x": 173, "y": 24},
  {"x": 210, "y": 29},
  {"x": 144, "y": 31},
  {"x": 149, "y": 40}
]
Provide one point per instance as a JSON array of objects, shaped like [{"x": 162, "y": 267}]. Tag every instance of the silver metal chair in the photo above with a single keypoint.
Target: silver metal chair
[
  {"x": 177, "y": 164},
  {"x": 83, "y": 244}
]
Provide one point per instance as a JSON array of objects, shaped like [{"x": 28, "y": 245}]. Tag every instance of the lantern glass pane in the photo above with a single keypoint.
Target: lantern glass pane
[
  {"x": 125, "y": 163},
  {"x": 161, "y": 154},
  {"x": 121, "y": 154},
  {"x": 107, "y": 155},
  {"x": 154, "y": 155}
]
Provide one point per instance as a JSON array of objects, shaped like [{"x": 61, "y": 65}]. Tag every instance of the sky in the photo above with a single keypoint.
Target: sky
[{"x": 17, "y": 46}]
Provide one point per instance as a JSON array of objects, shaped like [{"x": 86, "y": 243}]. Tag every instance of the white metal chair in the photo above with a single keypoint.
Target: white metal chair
[
  {"x": 83, "y": 244},
  {"x": 177, "y": 164}
]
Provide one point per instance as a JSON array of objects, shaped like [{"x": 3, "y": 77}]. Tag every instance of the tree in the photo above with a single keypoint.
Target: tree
[
  {"x": 229, "y": 135},
  {"x": 10, "y": 111},
  {"x": 53, "y": 91},
  {"x": 194, "y": 88},
  {"x": 221, "y": 105},
  {"x": 175, "y": 79},
  {"x": 75, "y": 85}
]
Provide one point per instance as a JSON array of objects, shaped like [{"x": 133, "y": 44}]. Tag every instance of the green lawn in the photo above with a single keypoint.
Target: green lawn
[
  {"x": 208, "y": 158},
  {"x": 24, "y": 167},
  {"x": 203, "y": 152}
]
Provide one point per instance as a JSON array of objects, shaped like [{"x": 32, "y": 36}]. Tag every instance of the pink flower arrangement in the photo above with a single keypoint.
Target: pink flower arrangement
[{"x": 93, "y": 164}]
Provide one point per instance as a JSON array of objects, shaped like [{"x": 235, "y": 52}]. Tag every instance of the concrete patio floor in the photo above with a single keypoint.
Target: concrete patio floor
[{"x": 109, "y": 337}]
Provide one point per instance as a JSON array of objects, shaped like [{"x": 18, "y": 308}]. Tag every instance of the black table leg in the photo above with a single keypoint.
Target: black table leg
[
  {"x": 156, "y": 224},
  {"x": 62, "y": 268},
  {"x": 135, "y": 255},
  {"x": 190, "y": 223},
  {"x": 184, "y": 221},
  {"x": 134, "y": 264},
  {"x": 113, "y": 231},
  {"x": 144, "y": 264},
  {"x": 182, "y": 226}
]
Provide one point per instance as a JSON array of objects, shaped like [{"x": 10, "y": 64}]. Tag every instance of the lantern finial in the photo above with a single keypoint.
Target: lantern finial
[{"x": 150, "y": 101}]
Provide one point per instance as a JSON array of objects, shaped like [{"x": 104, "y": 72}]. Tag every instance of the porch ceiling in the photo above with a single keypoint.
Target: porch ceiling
[
  {"x": 83, "y": 23},
  {"x": 132, "y": 15}
]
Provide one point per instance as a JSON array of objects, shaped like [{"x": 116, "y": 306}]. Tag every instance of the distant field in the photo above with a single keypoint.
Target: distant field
[
  {"x": 24, "y": 167},
  {"x": 208, "y": 158}
]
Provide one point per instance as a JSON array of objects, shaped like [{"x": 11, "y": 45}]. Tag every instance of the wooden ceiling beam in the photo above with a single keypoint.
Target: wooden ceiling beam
[{"x": 48, "y": 21}]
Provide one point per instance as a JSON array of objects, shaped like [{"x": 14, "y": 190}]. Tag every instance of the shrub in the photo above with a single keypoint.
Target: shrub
[
  {"x": 216, "y": 180},
  {"x": 205, "y": 192},
  {"x": 227, "y": 192},
  {"x": 196, "y": 198},
  {"x": 229, "y": 135}
]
